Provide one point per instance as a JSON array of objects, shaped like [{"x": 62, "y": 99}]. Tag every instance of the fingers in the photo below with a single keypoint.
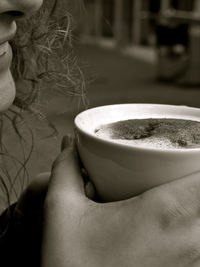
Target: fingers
[
  {"x": 66, "y": 141},
  {"x": 66, "y": 173}
]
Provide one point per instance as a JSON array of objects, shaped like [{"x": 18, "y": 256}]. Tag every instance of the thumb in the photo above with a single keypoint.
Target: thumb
[{"x": 66, "y": 172}]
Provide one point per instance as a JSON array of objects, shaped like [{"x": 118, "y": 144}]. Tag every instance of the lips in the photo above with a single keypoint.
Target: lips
[
  {"x": 3, "y": 49},
  {"x": 7, "y": 33}
]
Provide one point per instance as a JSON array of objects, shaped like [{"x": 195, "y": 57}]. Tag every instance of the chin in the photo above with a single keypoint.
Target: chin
[{"x": 7, "y": 90}]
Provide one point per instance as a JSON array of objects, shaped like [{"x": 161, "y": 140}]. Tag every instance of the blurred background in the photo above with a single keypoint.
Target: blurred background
[
  {"x": 129, "y": 51},
  {"x": 151, "y": 47}
]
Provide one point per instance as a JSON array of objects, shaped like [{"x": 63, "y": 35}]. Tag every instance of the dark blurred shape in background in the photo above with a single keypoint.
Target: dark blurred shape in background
[{"x": 170, "y": 29}]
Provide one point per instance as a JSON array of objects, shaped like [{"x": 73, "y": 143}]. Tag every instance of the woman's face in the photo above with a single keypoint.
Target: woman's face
[{"x": 10, "y": 11}]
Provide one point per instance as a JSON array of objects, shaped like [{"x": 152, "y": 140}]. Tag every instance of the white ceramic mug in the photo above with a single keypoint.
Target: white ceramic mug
[{"x": 120, "y": 171}]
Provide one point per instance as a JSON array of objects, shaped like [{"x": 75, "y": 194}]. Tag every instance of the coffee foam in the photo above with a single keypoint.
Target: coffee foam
[
  {"x": 151, "y": 142},
  {"x": 169, "y": 137}
]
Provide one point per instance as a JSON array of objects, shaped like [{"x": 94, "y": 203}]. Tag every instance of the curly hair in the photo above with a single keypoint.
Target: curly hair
[
  {"x": 45, "y": 53},
  {"x": 42, "y": 53}
]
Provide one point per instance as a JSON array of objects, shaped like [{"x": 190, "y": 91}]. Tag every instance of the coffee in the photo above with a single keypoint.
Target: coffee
[{"x": 153, "y": 132}]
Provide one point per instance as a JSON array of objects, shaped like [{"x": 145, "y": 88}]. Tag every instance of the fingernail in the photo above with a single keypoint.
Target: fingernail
[
  {"x": 90, "y": 190},
  {"x": 67, "y": 141}
]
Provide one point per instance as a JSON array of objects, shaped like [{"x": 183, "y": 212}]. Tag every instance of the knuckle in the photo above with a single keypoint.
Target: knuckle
[
  {"x": 170, "y": 217},
  {"x": 192, "y": 252},
  {"x": 168, "y": 210}
]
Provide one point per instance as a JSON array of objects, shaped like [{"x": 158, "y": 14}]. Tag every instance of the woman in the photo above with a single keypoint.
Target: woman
[{"x": 158, "y": 228}]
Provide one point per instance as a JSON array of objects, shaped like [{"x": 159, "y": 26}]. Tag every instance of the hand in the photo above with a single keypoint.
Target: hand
[
  {"x": 158, "y": 228},
  {"x": 28, "y": 221}
]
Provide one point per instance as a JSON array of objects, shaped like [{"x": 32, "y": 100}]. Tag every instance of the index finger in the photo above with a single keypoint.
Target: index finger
[{"x": 66, "y": 173}]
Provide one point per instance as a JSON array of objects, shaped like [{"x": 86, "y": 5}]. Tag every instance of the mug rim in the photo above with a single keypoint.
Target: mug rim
[{"x": 132, "y": 146}]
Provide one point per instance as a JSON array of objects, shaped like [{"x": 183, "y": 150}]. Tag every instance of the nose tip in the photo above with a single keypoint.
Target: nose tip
[{"x": 21, "y": 8}]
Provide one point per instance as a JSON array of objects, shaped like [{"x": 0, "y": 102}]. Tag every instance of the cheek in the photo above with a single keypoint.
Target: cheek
[{"x": 7, "y": 90}]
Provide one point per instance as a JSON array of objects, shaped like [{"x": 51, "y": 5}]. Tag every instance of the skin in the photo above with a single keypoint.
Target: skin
[
  {"x": 10, "y": 11},
  {"x": 158, "y": 228}
]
